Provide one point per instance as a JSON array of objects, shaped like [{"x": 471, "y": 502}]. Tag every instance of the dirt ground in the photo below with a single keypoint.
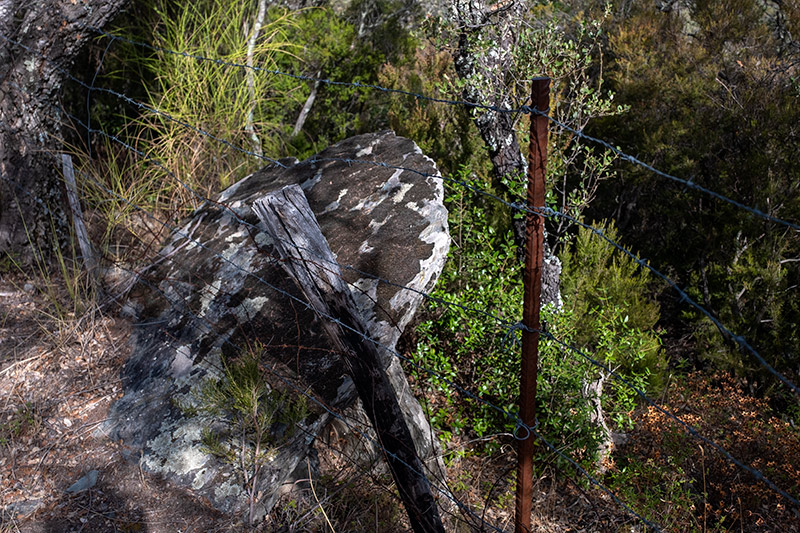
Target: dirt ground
[
  {"x": 60, "y": 371},
  {"x": 58, "y": 376}
]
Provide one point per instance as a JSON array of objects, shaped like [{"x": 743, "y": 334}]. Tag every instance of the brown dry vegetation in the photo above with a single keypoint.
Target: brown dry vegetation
[{"x": 701, "y": 488}]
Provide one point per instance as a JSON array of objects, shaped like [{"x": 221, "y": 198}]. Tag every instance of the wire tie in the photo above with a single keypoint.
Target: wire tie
[{"x": 519, "y": 425}]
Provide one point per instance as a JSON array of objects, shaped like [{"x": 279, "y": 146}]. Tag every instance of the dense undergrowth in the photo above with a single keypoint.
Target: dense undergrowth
[{"x": 708, "y": 91}]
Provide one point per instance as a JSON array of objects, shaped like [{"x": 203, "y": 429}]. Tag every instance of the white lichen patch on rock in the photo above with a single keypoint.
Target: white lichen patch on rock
[
  {"x": 228, "y": 489},
  {"x": 309, "y": 183},
  {"x": 375, "y": 225},
  {"x": 182, "y": 362},
  {"x": 436, "y": 234},
  {"x": 237, "y": 235},
  {"x": 404, "y": 188},
  {"x": 365, "y": 293},
  {"x": 335, "y": 204},
  {"x": 250, "y": 308},
  {"x": 263, "y": 240},
  {"x": 365, "y": 248},
  {"x": 369, "y": 203},
  {"x": 207, "y": 296},
  {"x": 177, "y": 448}
]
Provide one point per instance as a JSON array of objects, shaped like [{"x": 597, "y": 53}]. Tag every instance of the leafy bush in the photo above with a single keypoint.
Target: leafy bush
[
  {"x": 249, "y": 419},
  {"x": 723, "y": 65},
  {"x": 607, "y": 313},
  {"x": 607, "y": 290},
  {"x": 444, "y": 132}
]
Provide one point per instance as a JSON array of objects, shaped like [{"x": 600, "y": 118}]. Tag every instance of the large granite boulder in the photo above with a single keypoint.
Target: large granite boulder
[{"x": 216, "y": 289}]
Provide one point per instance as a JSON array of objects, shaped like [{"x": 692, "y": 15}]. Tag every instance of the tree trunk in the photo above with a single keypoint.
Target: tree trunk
[
  {"x": 484, "y": 67},
  {"x": 484, "y": 60},
  {"x": 38, "y": 43}
]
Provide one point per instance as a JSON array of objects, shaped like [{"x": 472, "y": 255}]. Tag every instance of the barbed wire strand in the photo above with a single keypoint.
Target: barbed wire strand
[
  {"x": 498, "y": 109},
  {"x": 545, "y": 212},
  {"x": 684, "y": 297},
  {"x": 636, "y": 161},
  {"x": 302, "y": 77}
]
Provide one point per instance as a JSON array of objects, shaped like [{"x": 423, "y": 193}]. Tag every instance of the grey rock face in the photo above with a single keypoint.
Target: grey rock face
[{"x": 216, "y": 290}]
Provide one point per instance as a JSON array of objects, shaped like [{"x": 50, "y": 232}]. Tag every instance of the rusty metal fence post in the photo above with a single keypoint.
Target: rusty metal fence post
[{"x": 534, "y": 235}]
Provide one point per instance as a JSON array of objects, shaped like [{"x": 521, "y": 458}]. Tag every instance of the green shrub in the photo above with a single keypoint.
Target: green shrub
[
  {"x": 607, "y": 312},
  {"x": 723, "y": 65},
  {"x": 250, "y": 419},
  {"x": 609, "y": 292},
  {"x": 444, "y": 132}
]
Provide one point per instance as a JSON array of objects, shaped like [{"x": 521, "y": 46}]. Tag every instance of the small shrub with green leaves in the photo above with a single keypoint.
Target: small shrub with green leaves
[
  {"x": 614, "y": 297},
  {"x": 608, "y": 313},
  {"x": 255, "y": 411},
  {"x": 571, "y": 54},
  {"x": 251, "y": 418},
  {"x": 22, "y": 420}
]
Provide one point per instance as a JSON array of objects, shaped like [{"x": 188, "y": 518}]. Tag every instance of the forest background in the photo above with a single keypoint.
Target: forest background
[{"x": 704, "y": 90}]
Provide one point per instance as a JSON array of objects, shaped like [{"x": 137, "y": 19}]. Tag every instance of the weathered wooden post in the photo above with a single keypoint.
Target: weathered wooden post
[
  {"x": 309, "y": 261},
  {"x": 534, "y": 236},
  {"x": 89, "y": 260}
]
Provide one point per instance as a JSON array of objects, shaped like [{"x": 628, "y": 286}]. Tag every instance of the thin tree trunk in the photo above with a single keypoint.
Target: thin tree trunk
[
  {"x": 301, "y": 119},
  {"x": 484, "y": 70},
  {"x": 251, "y": 84}
]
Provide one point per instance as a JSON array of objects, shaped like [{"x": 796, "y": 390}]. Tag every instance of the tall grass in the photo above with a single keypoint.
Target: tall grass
[
  {"x": 210, "y": 96},
  {"x": 213, "y": 99},
  {"x": 172, "y": 166}
]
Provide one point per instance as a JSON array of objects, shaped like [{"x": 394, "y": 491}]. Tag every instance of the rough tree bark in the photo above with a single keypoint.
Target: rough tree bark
[
  {"x": 484, "y": 60},
  {"x": 38, "y": 43},
  {"x": 487, "y": 37}
]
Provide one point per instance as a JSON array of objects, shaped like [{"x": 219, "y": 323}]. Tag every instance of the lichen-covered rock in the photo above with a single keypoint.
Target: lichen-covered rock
[{"x": 216, "y": 290}]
